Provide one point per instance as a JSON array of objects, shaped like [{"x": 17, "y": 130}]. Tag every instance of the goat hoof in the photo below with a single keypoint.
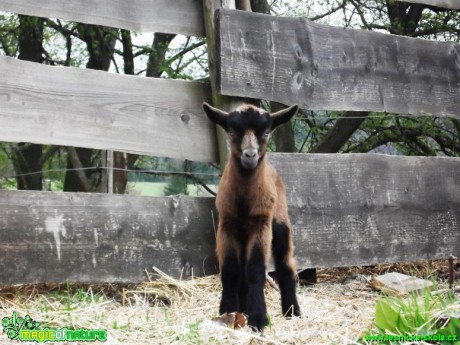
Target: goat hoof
[
  {"x": 257, "y": 321},
  {"x": 292, "y": 311}
]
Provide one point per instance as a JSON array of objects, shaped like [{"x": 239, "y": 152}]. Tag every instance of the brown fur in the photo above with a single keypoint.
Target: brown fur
[
  {"x": 266, "y": 194},
  {"x": 252, "y": 207}
]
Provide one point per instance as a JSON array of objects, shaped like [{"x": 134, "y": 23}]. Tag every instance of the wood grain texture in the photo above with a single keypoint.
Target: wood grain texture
[
  {"x": 100, "y": 110},
  {"x": 348, "y": 209},
  {"x": 452, "y": 4},
  {"x": 363, "y": 209},
  {"x": 222, "y": 102},
  {"x": 320, "y": 67},
  {"x": 177, "y": 16},
  {"x": 55, "y": 237}
]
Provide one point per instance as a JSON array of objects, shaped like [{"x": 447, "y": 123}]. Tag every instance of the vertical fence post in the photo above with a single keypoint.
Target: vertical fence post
[
  {"x": 107, "y": 172},
  {"x": 222, "y": 102},
  {"x": 110, "y": 171}
]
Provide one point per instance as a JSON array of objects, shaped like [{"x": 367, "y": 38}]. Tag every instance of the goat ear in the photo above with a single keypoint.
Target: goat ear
[
  {"x": 283, "y": 116},
  {"x": 216, "y": 115}
]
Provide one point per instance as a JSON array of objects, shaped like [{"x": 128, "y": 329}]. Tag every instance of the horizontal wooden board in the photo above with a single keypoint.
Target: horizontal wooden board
[
  {"x": 354, "y": 209},
  {"x": 57, "y": 237},
  {"x": 100, "y": 110},
  {"x": 177, "y": 16},
  {"x": 364, "y": 209},
  {"x": 321, "y": 67},
  {"x": 452, "y": 4}
]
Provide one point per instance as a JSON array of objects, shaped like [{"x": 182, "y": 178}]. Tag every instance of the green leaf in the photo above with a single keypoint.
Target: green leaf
[
  {"x": 386, "y": 317},
  {"x": 403, "y": 325}
]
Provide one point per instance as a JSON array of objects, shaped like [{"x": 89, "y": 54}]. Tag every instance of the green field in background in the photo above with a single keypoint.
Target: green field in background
[{"x": 157, "y": 189}]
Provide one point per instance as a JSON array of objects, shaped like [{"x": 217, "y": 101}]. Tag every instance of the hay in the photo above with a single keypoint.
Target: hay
[{"x": 168, "y": 311}]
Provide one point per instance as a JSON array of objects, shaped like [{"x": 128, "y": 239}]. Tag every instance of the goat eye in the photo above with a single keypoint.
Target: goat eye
[
  {"x": 266, "y": 134},
  {"x": 231, "y": 132}
]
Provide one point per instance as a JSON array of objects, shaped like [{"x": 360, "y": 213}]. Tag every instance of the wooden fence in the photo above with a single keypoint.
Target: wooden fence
[
  {"x": 452, "y": 4},
  {"x": 293, "y": 60},
  {"x": 352, "y": 209},
  {"x": 96, "y": 109},
  {"x": 178, "y": 16}
]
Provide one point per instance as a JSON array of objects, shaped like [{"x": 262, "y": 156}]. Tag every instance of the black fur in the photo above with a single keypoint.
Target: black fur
[
  {"x": 255, "y": 276},
  {"x": 230, "y": 276},
  {"x": 284, "y": 275},
  {"x": 239, "y": 123},
  {"x": 243, "y": 278},
  {"x": 242, "y": 287},
  {"x": 249, "y": 119}
]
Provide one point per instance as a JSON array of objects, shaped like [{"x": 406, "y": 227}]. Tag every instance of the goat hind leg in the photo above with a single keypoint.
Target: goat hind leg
[{"x": 282, "y": 249}]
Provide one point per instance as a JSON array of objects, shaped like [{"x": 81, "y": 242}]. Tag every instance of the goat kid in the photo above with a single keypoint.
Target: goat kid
[{"x": 253, "y": 217}]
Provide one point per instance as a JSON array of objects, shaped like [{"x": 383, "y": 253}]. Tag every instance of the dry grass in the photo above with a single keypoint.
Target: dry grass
[{"x": 167, "y": 311}]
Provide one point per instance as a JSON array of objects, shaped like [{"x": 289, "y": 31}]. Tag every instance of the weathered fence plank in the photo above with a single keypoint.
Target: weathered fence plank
[
  {"x": 54, "y": 237},
  {"x": 178, "y": 16},
  {"x": 354, "y": 209},
  {"x": 100, "y": 110},
  {"x": 222, "y": 102},
  {"x": 320, "y": 67},
  {"x": 363, "y": 209},
  {"x": 452, "y": 4}
]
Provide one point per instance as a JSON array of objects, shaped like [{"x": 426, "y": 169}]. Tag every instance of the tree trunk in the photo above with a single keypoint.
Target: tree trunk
[
  {"x": 284, "y": 134},
  {"x": 260, "y": 6},
  {"x": 155, "y": 67},
  {"x": 100, "y": 43},
  {"x": 77, "y": 181},
  {"x": 156, "y": 64},
  {"x": 28, "y": 156},
  {"x": 120, "y": 159}
]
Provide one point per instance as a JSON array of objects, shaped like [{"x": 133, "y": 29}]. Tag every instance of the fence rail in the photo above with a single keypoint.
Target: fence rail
[
  {"x": 452, "y": 4},
  {"x": 100, "y": 110},
  {"x": 363, "y": 209},
  {"x": 321, "y": 67},
  {"x": 82, "y": 237},
  {"x": 177, "y": 16},
  {"x": 370, "y": 209}
]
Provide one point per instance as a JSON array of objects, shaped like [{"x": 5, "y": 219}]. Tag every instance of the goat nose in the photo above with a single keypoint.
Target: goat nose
[{"x": 250, "y": 153}]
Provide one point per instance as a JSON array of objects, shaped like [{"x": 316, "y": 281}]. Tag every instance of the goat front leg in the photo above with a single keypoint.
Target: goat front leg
[
  {"x": 258, "y": 254},
  {"x": 228, "y": 253}
]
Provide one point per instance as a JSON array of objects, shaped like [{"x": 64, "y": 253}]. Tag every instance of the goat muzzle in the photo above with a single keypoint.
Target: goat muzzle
[{"x": 249, "y": 158}]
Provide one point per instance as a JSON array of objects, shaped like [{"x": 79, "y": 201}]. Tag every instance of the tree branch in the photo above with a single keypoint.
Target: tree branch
[
  {"x": 435, "y": 30},
  {"x": 185, "y": 51},
  {"x": 75, "y": 161},
  {"x": 339, "y": 134},
  {"x": 332, "y": 10},
  {"x": 47, "y": 155},
  {"x": 371, "y": 143}
]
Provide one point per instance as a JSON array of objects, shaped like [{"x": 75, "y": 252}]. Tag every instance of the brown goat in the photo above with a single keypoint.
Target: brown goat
[{"x": 253, "y": 217}]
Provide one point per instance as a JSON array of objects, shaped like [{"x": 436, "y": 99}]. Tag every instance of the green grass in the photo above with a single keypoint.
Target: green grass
[{"x": 426, "y": 314}]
